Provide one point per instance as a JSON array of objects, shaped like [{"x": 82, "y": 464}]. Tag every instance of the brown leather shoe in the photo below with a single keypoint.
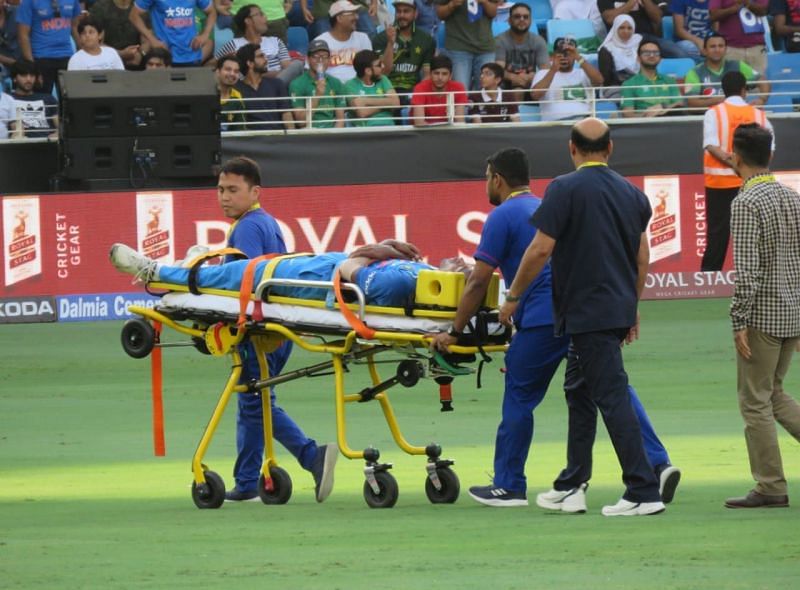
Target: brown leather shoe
[{"x": 755, "y": 500}]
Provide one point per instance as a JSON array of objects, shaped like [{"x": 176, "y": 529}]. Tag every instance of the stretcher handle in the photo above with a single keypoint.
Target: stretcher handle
[
  {"x": 357, "y": 324},
  {"x": 262, "y": 291}
]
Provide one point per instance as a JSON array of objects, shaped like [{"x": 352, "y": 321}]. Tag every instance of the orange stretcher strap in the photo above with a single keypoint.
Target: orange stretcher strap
[
  {"x": 360, "y": 327},
  {"x": 246, "y": 290}
]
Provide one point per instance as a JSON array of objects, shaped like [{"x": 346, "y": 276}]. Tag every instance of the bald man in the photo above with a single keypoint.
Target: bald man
[{"x": 591, "y": 226}]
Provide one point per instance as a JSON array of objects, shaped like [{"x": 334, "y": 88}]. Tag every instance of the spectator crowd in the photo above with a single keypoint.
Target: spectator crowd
[{"x": 365, "y": 63}]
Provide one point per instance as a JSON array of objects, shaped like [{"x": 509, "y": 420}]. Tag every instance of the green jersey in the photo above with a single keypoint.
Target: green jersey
[
  {"x": 661, "y": 91},
  {"x": 305, "y": 86},
  {"x": 703, "y": 81},
  {"x": 381, "y": 88},
  {"x": 410, "y": 55}
]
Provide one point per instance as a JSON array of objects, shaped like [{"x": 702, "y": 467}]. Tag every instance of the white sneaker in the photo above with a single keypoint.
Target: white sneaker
[
  {"x": 126, "y": 259},
  {"x": 192, "y": 253},
  {"x": 572, "y": 501},
  {"x": 626, "y": 508}
]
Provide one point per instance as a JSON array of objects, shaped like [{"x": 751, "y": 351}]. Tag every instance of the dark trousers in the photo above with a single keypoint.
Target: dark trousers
[
  {"x": 596, "y": 379},
  {"x": 718, "y": 216},
  {"x": 48, "y": 69}
]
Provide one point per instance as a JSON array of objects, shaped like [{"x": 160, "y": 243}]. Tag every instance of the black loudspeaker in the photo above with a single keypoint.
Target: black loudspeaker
[{"x": 141, "y": 126}]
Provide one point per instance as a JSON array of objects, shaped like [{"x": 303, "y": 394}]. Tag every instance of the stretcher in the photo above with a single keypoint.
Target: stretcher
[{"x": 348, "y": 334}]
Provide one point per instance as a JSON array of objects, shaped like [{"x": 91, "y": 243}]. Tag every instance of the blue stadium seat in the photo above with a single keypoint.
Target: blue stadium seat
[
  {"x": 542, "y": 12},
  {"x": 677, "y": 67},
  {"x": 577, "y": 29},
  {"x": 606, "y": 109},
  {"x": 529, "y": 113},
  {"x": 668, "y": 28},
  {"x": 499, "y": 27},
  {"x": 297, "y": 39},
  {"x": 783, "y": 71}
]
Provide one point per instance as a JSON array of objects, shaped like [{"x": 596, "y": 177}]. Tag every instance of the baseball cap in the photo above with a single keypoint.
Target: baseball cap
[
  {"x": 563, "y": 42},
  {"x": 406, "y": 2},
  {"x": 318, "y": 45},
  {"x": 341, "y": 6}
]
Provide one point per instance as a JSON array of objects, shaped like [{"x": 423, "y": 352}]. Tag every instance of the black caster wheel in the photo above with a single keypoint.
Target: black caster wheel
[
  {"x": 451, "y": 487},
  {"x": 278, "y": 490},
  {"x": 409, "y": 373},
  {"x": 387, "y": 494},
  {"x": 138, "y": 338},
  {"x": 210, "y": 494}
]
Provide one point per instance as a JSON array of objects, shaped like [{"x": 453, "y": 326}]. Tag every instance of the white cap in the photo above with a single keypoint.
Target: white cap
[{"x": 341, "y": 6}]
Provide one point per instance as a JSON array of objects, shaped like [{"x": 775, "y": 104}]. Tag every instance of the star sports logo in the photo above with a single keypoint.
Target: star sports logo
[{"x": 178, "y": 12}]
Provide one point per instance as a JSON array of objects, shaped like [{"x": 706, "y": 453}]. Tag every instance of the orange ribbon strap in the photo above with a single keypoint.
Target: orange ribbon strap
[
  {"x": 360, "y": 327},
  {"x": 248, "y": 278}
]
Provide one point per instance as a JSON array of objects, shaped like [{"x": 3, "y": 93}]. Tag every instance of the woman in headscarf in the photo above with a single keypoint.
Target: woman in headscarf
[{"x": 617, "y": 58}]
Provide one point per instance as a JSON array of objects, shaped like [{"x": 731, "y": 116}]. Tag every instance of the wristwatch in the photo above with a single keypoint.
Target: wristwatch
[
  {"x": 512, "y": 298},
  {"x": 454, "y": 333}
]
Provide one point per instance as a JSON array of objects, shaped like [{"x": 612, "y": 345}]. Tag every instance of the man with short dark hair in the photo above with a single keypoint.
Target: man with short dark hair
[
  {"x": 519, "y": 52},
  {"x": 648, "y": 93},
  {"x": 591, "y": 226},
  {"x": 429, "y": 100},
  {"x": 702, "y": 82},
  {"x": 158, "y": 58},
  {"x": 266, "y": 100},
  {"x": 317, "y": 97},
  {"x": 35, "y": 112},
  {"x": 720, "y": 179},
  {"x": 371, "y": 94},
  {"x": 492, "y": 104},
  {"x": 765, "y": 311},
  {"x": 231, "y": 117},
  {"x": 405, "y": 49},
  {"x": 252, "y": 25}
]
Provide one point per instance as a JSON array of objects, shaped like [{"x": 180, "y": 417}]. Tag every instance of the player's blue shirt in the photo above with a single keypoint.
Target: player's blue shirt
[
  {"x": 173, "y": 23},
  {"x": 390, "y": 283},
  {"x": 506, "y": 235},
  {"x": 51, "y": 33}
]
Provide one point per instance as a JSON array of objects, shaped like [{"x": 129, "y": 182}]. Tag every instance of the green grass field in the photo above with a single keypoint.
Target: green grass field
[{"x": 85, "y": 504}]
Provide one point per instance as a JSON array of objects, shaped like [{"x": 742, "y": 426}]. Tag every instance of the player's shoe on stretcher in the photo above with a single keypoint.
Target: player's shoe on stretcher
[
  {"x": 126, "y": 259},
  {"x": 627, "y": 508},
  {"x": 571, "y": 501},
  {"x": 192, "y": 253}
]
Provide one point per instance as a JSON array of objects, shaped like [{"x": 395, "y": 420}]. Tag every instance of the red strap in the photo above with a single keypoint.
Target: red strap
[
  {"x": 248, "y": 278},
  {"x": 360, "y": 327}
]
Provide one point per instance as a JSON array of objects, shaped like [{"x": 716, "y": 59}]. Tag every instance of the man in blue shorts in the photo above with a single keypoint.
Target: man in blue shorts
[{"x": 535, "y": 353}]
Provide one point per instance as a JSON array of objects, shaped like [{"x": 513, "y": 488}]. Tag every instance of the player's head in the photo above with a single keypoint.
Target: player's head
[
  {"x": 752, "y": 146},
  {"x": 238, "y": 186}
]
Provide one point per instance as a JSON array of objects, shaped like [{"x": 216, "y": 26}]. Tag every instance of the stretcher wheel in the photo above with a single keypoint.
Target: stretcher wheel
[
  {"x": 138, "y": 338},
  {"x": 278, "y": 490},
  {"x": 450, "y": 487},
  {"x": 409, "y": 373},
  {"x": 387, "y": 496},
  {"x": 210, "y": 494}
]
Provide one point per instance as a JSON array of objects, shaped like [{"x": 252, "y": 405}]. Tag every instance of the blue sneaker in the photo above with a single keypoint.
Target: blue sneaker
[
  {"x": 322, "y": 470},
  {"x": 492, "y": 496},
  {"x": 237, "y": 495}
]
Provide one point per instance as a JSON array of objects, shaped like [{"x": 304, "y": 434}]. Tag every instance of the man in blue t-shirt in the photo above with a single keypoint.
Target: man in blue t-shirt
[
  {"x": 45, "y": 31},
  {"x": 535, "y": 352},
  {"x": 174, "y": 28},
  {"x": 592, "y": 222},
  {"x": 692, "y": 25}
]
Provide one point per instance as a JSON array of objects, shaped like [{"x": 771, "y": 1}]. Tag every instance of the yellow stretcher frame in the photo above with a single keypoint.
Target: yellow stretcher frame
[{"x": 274, "y": 486}]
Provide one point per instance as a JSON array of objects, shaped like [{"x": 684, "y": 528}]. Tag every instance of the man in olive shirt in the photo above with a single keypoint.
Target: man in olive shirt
[
  {"x": 468, "y": 39},
  {"x": 406, "y": 51},
  {"x": 326, "y": 105},
  {"x": 648, "y": 93}
]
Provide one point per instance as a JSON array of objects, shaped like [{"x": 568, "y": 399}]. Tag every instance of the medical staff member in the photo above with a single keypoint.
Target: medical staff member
[{"x": 255, "y": 232}]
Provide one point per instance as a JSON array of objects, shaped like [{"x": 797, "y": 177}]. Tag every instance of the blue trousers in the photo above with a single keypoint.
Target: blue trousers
[
  {"x": 531, "y": 362},
  {"x": 596, "y": 380},
  {"x": 249, "y": 422}
]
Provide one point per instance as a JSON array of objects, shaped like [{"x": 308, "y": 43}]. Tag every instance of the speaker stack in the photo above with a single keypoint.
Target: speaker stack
[{"x": 154, "y": 127}]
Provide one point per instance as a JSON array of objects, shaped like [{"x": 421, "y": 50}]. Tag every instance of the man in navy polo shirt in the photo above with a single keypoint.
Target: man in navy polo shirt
[{"x": 592, "y": 221}]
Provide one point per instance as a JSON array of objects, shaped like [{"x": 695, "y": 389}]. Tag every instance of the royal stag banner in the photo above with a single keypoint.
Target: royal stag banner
[{"x": 55, "y": 247}]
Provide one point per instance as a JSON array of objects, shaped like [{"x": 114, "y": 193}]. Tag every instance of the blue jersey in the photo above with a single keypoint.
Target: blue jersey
[
  {"x": 390, "y": 283},
  {"x": 51, "y": 26},
  {"x": 504, "y": 239},
  {"x": 256, "y": 233},
  {"x": 695, "y": 14},
  {"x": 173, "y": 23}
]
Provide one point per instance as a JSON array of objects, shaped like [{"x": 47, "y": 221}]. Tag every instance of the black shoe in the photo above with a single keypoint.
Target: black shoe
[
  {"x": 668, "y": 479},
  {"x": 492, "y": 496},
  {"x": 237, "y": 495},
  {"x": 322, "y": 470}
]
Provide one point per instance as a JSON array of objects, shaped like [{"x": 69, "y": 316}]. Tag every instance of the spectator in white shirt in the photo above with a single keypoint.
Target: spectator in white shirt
[{"x": 93, "y": 55}]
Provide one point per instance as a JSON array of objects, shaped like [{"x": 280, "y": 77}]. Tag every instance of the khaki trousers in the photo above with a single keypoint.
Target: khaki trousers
[
  {"x": 755, "y": 57},
  {"x": 762, "y": 402}
]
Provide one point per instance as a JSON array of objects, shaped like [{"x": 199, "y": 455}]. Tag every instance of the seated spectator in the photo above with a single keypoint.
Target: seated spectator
[
  {"x": 232, "y": 108},
  {"x": 468, "y": 38},
  {"x": 174, "y": 28},
  {"x": 489, "y": 104},
  {"x": 786, "y": 23},
  {"x": 35, "y": 112},
  {"x": 266, "y": 101},
  {"x": 648, "y": 93},
  {"x": 45, "y": 32},
  {"x": 343, "y": 40},
  {"x": 319, "y": 16},
  {"x": 703, "y": 82},
  {"x": 618, "y": 58},
  {"x": 156, "y": 59},
  {"x": 692, "y": 25},
  {"x": 563, "y": 89},
  {"x": 93, "y": 55},
  {"x": 326, "y": 107},
  {"x": 370, "y": 94},
  {"x": 519, "y": 52},
  {"x": 119, "y": 32},
  {"x": 252, "y": 25},
  {"x": 7, "y": 115},
  {"x": 405, "y": 49},
  {"x": 740, "y": 23},
  {"x": 647, "y": 16},
  {"x": 9, "y": 46},
  {"x": 429, "y": 100},
  {"x": 580, "y": 10}
]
